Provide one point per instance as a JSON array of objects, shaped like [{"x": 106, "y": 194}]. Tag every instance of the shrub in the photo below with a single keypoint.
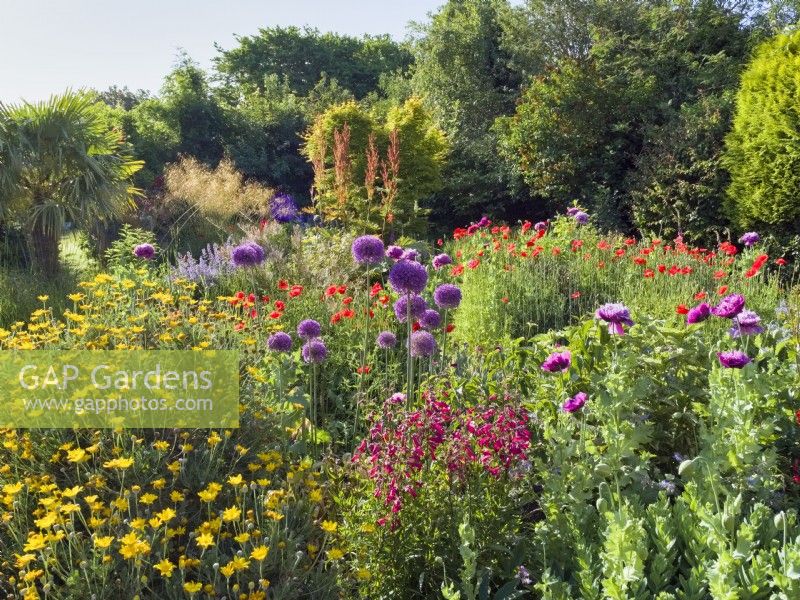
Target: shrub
[{"x": 763, "y": 148}]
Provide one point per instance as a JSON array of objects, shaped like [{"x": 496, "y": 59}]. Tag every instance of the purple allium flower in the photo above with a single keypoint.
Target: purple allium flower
[
  {"x": 572, "y": 211},
  {"x": 386, "y": 340},
  {"x": 314, "y": 351},
  {"x": 144, "y": 251},
  {"x": 309, "y": 329},
  {"x": 540, "y": 226},
  {"x": 575, "y": 403},
  {"x": 408, "y": 277},
  {"x": 422, "y": 343},
  {"x": 698, "y": 314},
  {"x": 430, "y": 319},
  {"x": 750, "y": 239},
  {"x": 283, "y": 209},
  {"x": 247, "y": 255},
  {"x": 410, "y": 254},
  {"x": 557, "y": 361},
  {"x": 733, "y": 359},
  {"x": 484, "y": 222},
  {"x": 616, "y": 315},
  {"x": 441, "y": 260},
  {"x": 394, "y": 252},
  {"x": 524, "y": 575},
  {"x": 729, "y": 306},
  {"x": 447, "y": 295},
  {"x": 368, "y": 250},
  {"x": 746, "y": 323},
  {"x": 418, "y": 307},
  {"x": 279, "y": 342},
  {"x": 581, "y": 217}
]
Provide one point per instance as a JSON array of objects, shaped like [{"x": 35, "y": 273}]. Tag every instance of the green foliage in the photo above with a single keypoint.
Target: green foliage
[
  {"x": 343, "y": 143},
  {"x": 120, "y": 255},
  {"x": 462, "y": 72},
  {"x": 304, "y": 56},
  {"x": 763, "y": 148}
]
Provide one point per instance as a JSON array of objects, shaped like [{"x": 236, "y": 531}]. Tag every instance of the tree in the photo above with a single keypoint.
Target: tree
[
  {"x": 302, "y": 56},
  {"x": 60, "y": 161},
  {"x": 463, "y": 75},
  {"x": 590, "y": 121},
  {"x": 763, "y": 148}
]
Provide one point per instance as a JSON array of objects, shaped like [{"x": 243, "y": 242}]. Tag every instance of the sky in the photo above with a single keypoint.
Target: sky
[{"x": 47, "y": 46}]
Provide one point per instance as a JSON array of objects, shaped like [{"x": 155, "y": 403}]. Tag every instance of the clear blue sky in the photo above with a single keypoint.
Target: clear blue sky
[{"x": 49, "y": 45}]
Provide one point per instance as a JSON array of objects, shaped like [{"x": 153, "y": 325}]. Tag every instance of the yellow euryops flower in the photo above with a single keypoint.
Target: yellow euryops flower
[
  {"x": 315, "y": 495},
  {"x": 192, "y": 587},
  {"x": 335, "y": 554},
  {"x": 227, "y": 570},
  {"x": 231, "y": 514},
  {"x": 133, "y": 546},
  {"x": 148, "y": 499},
  {"x": 205, "y": 540},
  {"x": 166, "y": 515},
  {"x": 72, "y": 492},
  {"x": 165, "y": 568},
  {"x": 176, "y": 496},
  {"x": 36, "y": 541},
  {"x": 119, "y": 463},
  {"x": 242, "y": 538},
  {"x": 240, "y": 563},
  {"x": 210, "y": 493},
  {"x": 24, "y": 560},
  {"x": 329, "y": 526},
  {"x": 12, "y": 489},
  {"x": 78, "y": 455},
  {"x": 236, "y": 480},
  {"x": 161, "y": 445},
  {"x": 363, "y": 574},
  {"x": 47, "y": 521},
  {"x": 103, "y": 542},
  {"x": 259, "y": 553}
]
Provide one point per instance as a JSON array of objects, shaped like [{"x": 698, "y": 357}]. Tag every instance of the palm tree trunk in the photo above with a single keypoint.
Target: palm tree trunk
[{"x": 44, "y": 246}]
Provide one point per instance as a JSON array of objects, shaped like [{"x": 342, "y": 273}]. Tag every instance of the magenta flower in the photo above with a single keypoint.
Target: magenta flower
[
  {"x": 734, "y": 359},
  {"x": 616, "y": 315},
  {"x": 729, "y": 306},
  {"x": 557, "y": 361},
  {"x": 698, "y": 314},
  {"x": 575, "y": 403},
  {"x": 746, "y": 323}
]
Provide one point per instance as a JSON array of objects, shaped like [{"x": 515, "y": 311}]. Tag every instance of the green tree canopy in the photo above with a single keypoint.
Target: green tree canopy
[{"x": 302, "y": 56}]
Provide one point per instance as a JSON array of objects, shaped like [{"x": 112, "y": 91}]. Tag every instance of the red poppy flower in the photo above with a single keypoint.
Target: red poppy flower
[
  {"x": 295, "y": 291},
  {"x": 275, "y": 314},
  {"x": 330, "y": 291},
  {"x": 780, "y": 262},
  {"x": 473, "y": 264},
  {"x": 662, "y": 268},
  {"x": 251, "y": 298},
  {"x": 504, "y": 299},
  {"x": 450, "y": 327},
  {"x": 640, "y": 261},
  {"x": 239, "y": 326},
  {"x": 722, "y": 290},
  {"x": 681, "y": 309},
  {"x": 364, "y": 370},
  {"x": 348, "y": 314},
  {"x": 700, "y": 295},
  {"x": 630, "y": 242},
  {"x": 335, "y": 318},
  {"x": 574, "y": 295},
  {"x": 457, "y": 270},
  {"x": 347, "y": 300},
  {"x": 719, "y": 274},
  {"x": 280, "y": 305},
  {"x": 649, "y": 273},
  {"x": 283, "y": 284}
]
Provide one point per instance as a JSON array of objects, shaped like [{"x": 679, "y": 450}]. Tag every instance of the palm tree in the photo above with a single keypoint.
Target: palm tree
[{"x": 61, "y": 161}]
